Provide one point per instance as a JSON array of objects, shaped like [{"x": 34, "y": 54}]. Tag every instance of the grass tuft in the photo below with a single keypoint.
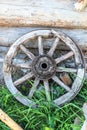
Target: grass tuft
[{"x": 47, "y": 116}]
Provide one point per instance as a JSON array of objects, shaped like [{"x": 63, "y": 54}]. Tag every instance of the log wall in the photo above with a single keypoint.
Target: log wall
[
  {"x": 19, "y": 17},
  {"x": 53, "y": 13}
]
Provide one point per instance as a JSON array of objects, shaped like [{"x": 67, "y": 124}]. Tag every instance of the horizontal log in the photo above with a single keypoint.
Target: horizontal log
[
  {"x": 41, "y": 3},
  {"x": 8, "y": 35},
  {"x": 42, "y": 13}
]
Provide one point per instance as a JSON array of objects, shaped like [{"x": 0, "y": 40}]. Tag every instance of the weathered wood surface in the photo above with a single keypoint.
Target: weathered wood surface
[
  {"x": 41, "y": 13},
  {"x": 8, "y": 35},
  {"x": 8, "y": 121},
  {"x": 38, "y": 72},
  {"x": 78, "y": 121},
  {"x": 84, "y": 127}
]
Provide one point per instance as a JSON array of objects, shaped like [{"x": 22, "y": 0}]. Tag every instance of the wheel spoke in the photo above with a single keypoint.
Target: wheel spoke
[
  {"x": 57, "y": 80},
  {"x": 36, "y": 82},
  {"x": 40, "y": 45},
  {"x": 22, "y": 65},
  {"x": 47, "y": 90},
  {"x": 68, "y": 70},
  {"x": 64, "y": 57},
  {"x": 52, "y": 49},
  {"x": 24, "y": 78},
  {"x": 27, "y": 52}
]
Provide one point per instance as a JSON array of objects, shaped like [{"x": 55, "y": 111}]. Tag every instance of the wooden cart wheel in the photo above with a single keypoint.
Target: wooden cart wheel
[{"x": 47, "y": 66}]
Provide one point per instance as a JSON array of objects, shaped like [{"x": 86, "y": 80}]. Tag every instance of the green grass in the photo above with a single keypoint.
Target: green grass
[{"x": 46, "y": 115}]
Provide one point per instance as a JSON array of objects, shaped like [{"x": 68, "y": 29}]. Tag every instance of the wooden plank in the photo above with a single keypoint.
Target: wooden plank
[
  {"x": 84, "y": 127},
  {"x": 8, "y": 121},
  {"x": 8, "y": 35},
  {"x": 41, "y": 3},
  {"x": 41, "y": 13}
]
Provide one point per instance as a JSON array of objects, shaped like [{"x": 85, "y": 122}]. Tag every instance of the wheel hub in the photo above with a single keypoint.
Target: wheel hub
[{"x": 43, "y": 67}]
